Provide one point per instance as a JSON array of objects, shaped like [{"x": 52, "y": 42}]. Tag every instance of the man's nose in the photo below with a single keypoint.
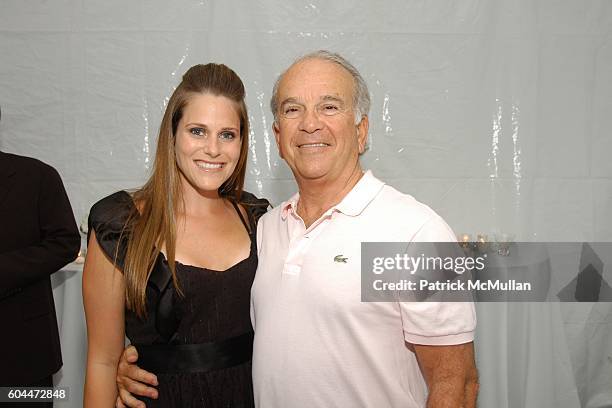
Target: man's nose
[{"x": 311, "y": 121}]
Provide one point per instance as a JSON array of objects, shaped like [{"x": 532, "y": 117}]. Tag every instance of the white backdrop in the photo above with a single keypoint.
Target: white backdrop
[{"x": 495, "y": 113}]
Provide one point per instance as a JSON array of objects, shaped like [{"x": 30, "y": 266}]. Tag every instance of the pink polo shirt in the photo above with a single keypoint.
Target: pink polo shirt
[{"x": 316, "y": 343}]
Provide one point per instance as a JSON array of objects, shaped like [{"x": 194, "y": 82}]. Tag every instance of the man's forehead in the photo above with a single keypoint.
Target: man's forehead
[{"x": 316, "y": 79}]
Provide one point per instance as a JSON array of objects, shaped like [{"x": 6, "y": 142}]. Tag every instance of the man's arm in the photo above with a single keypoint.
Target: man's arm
[
  {"x": 450, "y": 373},
  {"x": 59, "y": 244}
]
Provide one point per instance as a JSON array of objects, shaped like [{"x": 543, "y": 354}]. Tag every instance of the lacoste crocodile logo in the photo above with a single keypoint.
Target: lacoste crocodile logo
[{"x": 340, "y": 258}]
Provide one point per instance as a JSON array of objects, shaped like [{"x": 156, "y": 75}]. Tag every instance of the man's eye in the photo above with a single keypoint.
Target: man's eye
[
  {"x": 291, "y": 109},
  {"x": 227, "y": 135},
  {"x": 329, "y": 109},
  {"x": 197, "y": 131}
]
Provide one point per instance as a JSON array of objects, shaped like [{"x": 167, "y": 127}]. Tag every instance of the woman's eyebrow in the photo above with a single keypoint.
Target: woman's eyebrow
[{"x": 197, "y": 124}]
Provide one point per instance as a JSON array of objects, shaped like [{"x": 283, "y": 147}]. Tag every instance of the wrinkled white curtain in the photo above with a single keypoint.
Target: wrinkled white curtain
[{"x": 495, "y": 113}]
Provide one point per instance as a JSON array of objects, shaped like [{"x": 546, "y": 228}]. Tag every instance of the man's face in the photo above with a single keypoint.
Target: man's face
[{"x": 316, "y": 132}]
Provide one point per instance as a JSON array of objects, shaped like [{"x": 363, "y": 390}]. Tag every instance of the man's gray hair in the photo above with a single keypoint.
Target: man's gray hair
[{"x": 361, "y": 95}]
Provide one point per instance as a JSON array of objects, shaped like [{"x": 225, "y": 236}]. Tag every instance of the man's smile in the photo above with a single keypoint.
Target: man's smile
[{"x": 311, "y": 145}]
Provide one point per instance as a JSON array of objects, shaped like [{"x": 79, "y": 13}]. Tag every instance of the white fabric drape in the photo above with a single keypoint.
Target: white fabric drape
[{"x": 495, "y": 113}]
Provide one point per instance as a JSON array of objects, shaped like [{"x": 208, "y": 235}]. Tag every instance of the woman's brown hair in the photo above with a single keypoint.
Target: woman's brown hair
[{"x": 153, "y": 223}]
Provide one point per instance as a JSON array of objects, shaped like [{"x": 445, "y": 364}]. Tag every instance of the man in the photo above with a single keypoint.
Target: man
[
  {"x": 39, "y": 236},
  {"x": 316, "y": 344}
]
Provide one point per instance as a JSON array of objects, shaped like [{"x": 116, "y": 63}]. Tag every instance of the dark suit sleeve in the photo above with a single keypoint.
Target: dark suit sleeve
[{"x": 59, "y": 244}]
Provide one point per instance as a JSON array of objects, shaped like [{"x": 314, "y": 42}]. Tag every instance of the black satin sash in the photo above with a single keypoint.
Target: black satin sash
[{"x": 193, "y": 358}]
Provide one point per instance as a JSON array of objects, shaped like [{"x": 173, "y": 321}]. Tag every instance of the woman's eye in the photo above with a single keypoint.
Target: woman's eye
[
  {"x": 197, "y": 131},
  {"x": 227, "y": 135}
]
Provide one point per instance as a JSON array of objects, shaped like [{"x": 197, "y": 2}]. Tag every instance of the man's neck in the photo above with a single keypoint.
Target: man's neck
[{"x": 318, "y": 196}]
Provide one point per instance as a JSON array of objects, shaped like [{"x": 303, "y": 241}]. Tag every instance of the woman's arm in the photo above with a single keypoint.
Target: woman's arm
[{"x": 104, "y": 301}]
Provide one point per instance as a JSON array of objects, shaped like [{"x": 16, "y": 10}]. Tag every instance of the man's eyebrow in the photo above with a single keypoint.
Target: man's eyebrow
[
  {"x": 333, "y": 98},
  {"x": 290, "y": 100}
]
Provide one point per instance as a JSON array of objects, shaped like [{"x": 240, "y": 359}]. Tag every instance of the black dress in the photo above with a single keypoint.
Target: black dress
[{"x": 199, "y": 345}]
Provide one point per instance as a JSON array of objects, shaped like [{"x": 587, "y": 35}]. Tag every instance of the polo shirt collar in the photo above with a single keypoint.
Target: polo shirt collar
[
  {"x": 290, "y": 204},
  {"x": 361, "y": 195},
  {"x": 353, "y": 203}
]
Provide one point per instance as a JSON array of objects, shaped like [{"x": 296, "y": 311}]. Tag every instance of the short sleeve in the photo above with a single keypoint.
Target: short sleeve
[
  {"x": 108, "y": 218},
  {"x": 256, "y": 207},
  {"x": 437, "y": 323}
]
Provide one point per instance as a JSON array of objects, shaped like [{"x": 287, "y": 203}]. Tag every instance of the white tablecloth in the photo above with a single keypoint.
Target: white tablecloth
[{"x": 73, "y": 333}]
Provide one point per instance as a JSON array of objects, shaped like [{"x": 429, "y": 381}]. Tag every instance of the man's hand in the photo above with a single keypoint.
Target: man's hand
[
  {"x": 131, "y": 379},
  {"x": 450, "y": 372}
]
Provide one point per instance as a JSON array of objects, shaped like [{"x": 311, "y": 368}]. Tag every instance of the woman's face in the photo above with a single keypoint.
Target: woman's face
[{"x": 207, "y": 142}]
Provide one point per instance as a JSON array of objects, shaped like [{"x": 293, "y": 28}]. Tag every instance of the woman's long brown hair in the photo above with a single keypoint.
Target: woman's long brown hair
[{"x": 152, "y": 225}]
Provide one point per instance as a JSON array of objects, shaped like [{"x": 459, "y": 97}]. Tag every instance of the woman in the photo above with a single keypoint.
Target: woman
[{"x": 171, "y": 265}]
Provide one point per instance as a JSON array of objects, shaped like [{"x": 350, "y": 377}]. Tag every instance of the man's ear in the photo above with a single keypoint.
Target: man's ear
[
  {"x": 362, "y": 133},
  {"x": 276, "y": 131}
]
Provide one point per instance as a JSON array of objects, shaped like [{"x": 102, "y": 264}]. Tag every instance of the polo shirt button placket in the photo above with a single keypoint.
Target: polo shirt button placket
[
  {"x": 298, "y": 246},
  {"x": 295, "y": 256}
]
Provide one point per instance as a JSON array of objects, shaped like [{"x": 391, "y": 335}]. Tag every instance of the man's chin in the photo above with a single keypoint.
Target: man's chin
[{"x": 311, "y": 175}]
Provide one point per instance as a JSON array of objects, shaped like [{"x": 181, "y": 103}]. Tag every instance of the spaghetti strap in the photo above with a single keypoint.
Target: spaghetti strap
[{"x": 246, "y": 226}]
